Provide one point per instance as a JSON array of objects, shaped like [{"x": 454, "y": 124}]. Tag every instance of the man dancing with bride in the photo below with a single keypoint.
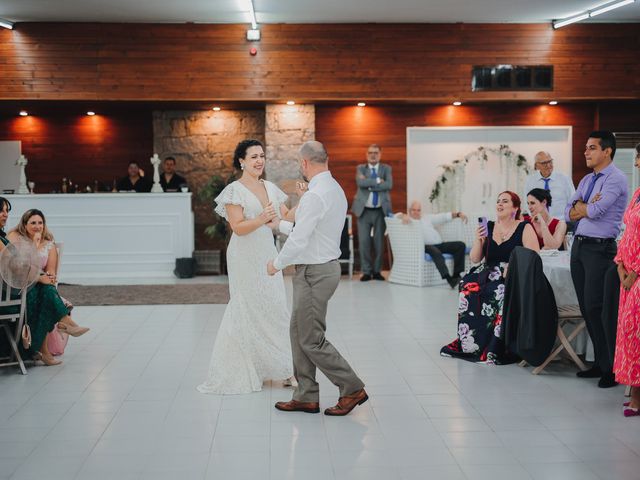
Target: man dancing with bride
[
  {"x": 252, "y": 343},
  {"x": 313, "y": 247}
]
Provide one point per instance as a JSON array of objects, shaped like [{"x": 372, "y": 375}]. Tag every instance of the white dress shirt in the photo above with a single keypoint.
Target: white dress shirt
[
  {"x": 430, "y": 235},
  {"x": 561, "y": 189},
  {"x": 315, "y": 238},
  {"x": 369, "y": 203}
]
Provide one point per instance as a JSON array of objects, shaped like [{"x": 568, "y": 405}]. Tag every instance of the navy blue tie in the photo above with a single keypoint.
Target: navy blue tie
[
  {"x": 546, "y": 183},
  {"x": 594, "y": 179},
  {"x": 374, "y": 199}
]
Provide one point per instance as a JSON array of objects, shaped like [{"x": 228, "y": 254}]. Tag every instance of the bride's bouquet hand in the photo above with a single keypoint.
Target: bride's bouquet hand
[{"x": 268, "y": 214}]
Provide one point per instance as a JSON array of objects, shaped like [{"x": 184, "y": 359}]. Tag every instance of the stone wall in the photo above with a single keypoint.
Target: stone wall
[
  {"x": 202, "y": 143},
  {"x": 287, "y": 127}
]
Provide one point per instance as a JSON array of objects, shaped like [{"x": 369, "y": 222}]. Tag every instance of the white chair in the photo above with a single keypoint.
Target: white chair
[
  {"x": 411, "y": 265},
  {"x": 59, "y": 249},
  {"x": 347, "y": 257},
  {"x": 15, "y": 320}
]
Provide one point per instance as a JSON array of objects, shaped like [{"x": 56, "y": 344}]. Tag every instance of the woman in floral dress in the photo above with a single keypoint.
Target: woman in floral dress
[
  {"x": 626, "y": 365},
  {"x": 482, "y": 289}
]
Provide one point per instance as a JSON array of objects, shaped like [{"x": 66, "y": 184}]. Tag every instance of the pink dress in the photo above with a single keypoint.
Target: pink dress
[{"x": 626, "y": 365}]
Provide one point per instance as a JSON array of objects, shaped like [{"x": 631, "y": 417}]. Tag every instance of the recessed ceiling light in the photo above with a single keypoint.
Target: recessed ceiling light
[
  {"x": 361, "y": 104},
  {"x": 216, "y": 109},
  {"x": 23, "y": 113},
  {"x": 457, "y": 103},
  {"x": 90, "y": 113},
  {"x": 553, "y": 102},
  {"x": 290, "y": 102}
]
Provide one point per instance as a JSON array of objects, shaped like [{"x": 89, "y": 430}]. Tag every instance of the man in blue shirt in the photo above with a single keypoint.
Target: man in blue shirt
[{"x": 598, "y": 206}]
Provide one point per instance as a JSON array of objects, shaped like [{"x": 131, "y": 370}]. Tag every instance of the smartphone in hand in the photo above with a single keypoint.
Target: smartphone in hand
[{"x": 482, "y": 222}]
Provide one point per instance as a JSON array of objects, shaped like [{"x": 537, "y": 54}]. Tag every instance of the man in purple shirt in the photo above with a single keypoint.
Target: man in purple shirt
[{"x": 598, "y": 206}]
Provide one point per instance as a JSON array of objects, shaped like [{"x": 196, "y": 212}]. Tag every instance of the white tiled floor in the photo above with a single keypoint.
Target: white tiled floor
[{"x": 124, "y": 405}]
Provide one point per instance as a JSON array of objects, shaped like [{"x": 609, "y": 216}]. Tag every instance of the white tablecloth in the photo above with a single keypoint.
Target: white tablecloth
[
  {"x": 558, "y": 272},
  {"x": 557, "y": 269}
]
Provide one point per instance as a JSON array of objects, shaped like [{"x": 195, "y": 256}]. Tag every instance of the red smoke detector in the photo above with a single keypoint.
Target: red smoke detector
[{"x": 253, "y": 51}]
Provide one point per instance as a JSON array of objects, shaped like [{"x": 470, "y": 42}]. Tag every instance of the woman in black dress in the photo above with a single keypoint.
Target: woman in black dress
[{"x": 482, "y": 289}]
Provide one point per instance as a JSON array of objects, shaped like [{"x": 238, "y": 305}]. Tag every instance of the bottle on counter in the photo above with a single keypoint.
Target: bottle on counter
[
  {"x": 65, "y": 185},
  {"x": 96, "y": 186},
  {"x": 114, "y": 189}
]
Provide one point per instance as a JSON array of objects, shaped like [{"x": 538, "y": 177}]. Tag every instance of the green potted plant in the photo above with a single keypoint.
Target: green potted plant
[{"x": 214, "y": 260}]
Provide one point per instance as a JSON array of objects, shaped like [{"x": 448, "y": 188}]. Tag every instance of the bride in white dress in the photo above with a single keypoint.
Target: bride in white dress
[{"x": 252, "y": 344}]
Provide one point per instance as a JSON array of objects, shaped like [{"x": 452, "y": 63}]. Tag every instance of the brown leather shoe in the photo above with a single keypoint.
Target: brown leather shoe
[
  {"x": 347, "y": 403},
  {"x": 295, "y": 406}
]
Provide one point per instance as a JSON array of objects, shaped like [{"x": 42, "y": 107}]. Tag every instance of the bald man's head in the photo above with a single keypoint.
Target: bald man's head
[{"x": 415, "y": 210}]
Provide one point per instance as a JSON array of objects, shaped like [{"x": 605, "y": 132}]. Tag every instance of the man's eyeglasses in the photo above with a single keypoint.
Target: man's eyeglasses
[{"x": 548, "y": 162}]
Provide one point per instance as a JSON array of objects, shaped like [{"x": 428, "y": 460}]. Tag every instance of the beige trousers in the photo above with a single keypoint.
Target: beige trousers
[{"x": 313, "y": 286}]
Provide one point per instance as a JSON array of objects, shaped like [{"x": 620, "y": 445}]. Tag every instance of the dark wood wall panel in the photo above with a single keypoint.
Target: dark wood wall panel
[
  {"x": 80, "y": 147},
  {"x": 310, "y": 62},
  {"x": 347, "y": 131}
]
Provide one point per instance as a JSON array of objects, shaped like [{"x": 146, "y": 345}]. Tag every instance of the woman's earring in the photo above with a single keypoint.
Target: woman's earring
[{"x": 242, "y": 166}]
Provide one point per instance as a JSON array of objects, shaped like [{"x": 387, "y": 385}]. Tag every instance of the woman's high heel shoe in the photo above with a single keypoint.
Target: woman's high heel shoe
[
  {"x": 48, "y": 360},
  {"x": 74, "y": 331}
]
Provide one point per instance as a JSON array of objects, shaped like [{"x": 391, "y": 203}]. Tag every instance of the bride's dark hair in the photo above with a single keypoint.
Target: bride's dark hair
[
  {"x": 241, "y": 151},
  {"x": 4, "y": 202}
]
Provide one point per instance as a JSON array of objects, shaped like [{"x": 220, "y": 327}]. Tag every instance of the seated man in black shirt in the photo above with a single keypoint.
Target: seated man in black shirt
[
  {"x": 170, "y": 180},
  {"x": 134, "y": 181}
]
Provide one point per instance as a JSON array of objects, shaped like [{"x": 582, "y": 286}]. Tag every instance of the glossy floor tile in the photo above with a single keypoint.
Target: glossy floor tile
[{"x": 123, "y": 405}]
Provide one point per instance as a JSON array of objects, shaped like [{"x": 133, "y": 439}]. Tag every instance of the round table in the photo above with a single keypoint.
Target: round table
[{"x": 557, "y": 269}]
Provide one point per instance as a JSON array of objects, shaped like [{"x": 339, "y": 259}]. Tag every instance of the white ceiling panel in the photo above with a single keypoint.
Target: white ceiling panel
[{"x": 307, "y": 11}]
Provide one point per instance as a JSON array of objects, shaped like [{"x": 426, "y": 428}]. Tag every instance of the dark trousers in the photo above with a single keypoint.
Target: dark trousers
[
  {"x": 457, "y": 249},
  {"x": 610, "y": 302},
  {"x": 371, "y": 218},
  {"x": 589, "y": 265}
]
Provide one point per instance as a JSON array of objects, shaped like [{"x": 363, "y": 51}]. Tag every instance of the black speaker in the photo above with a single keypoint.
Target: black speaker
[{"x": 185, "y": 267}]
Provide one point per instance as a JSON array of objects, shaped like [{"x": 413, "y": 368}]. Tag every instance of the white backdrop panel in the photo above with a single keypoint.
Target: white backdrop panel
[
  {"x": 430, "y": 147},
  {"x": 9, "y": 171}
]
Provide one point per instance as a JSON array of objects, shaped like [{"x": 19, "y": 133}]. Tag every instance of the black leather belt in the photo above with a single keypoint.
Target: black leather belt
[{"x": 583, "y": 239}]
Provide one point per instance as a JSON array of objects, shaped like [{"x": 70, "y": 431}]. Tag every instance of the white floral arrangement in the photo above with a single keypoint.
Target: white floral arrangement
[{"x": 454, "y": 173}]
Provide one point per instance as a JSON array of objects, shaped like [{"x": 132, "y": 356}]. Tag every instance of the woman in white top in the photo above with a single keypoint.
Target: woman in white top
[
  {"x": 46, "y": 309},
  {"x": 252, "y": 344}
]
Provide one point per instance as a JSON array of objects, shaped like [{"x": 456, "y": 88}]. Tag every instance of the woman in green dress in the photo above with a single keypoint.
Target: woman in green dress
[{"x": 45, "y": 308}]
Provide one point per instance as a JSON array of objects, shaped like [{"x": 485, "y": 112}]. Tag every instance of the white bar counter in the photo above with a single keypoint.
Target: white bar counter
[{"x": 114, "y": 235}]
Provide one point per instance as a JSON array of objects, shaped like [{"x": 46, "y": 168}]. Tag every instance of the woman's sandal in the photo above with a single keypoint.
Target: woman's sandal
[
  {"x": 48, "y": 360},
  {"x": 74, "y": 331}
]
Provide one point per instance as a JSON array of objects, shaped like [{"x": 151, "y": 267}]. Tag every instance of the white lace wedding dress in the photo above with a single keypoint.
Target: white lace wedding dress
[{"x": 252, "y": 344}]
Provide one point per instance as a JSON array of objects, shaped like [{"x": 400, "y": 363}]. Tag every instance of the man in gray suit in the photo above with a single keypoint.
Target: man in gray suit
[{"x": 371, "y": 205}]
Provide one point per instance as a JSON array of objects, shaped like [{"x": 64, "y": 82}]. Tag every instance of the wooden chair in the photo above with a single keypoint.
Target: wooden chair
[
  {"x": 11, "y": 324},
  {"x": 568, "y": 315}
]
